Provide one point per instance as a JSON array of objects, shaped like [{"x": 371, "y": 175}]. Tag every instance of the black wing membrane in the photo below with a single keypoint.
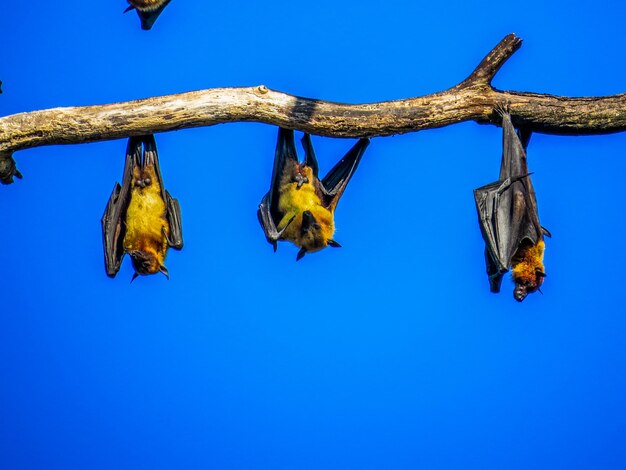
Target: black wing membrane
[
  {"x": 175, "y": 240},
  {"x": 507, "y": 209},
  {"x": 268, "y": 213},
  {"x": 524, "y": 202},
  {"x": 310, "y": 159},
  {"x": 113, "y": 229},
  {"x": 336, "y": 180},
  {"x": 151, "y": 158}
]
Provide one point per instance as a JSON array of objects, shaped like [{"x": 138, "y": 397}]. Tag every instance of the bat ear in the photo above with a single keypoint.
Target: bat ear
[
  {"x": 129, "y": 8},
  {"x": 165, "y": 272},
  {"x": 540, "y": 273},
  {"x": 135, "y": 276},
  {"x": 546, "y": 232},
  {"x": 333, "y": 243},
  {"x": 301, "y": 254}
]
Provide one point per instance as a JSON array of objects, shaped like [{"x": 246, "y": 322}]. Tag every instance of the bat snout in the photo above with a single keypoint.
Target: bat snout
[
  {"x": 520, "y": 293},
  {"x": 144, "y": 263},
  {"x": 309, "y": 222}
]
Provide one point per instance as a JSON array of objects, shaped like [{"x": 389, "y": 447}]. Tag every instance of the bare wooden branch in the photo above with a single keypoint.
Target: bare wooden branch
[{"x": 473, "y": 99}]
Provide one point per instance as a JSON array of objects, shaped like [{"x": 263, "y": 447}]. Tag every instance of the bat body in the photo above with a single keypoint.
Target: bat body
[
  {"x": 141, "y": 217},
  {"x": 147, "y": 10},
  {"x": 300, "y": 207},
  {"x": 509, "y": 220}
]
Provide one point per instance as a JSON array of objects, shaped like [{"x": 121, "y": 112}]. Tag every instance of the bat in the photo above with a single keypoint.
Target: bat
[
  {"x": 8, "y": 169},
  {"x": 299, "y": 207},
  {"x": 141, "y": 217},
  {"x": 509, "y": 220},
  {"x": 147, "y": 10}
]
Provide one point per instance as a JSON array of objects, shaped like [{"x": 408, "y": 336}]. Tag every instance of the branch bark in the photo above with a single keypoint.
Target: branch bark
[{"x": 471, "y": 100}]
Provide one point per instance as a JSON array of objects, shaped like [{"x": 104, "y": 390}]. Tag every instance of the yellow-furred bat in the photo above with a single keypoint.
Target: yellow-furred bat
[
  {"x": 299, "y": 207},
  {"x": 509, "y": 220},
  {"x": 141, "y": 217},
  {"x": 147, "y": 10}
]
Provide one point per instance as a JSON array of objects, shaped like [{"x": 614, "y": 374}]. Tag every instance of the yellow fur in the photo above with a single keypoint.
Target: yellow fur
[
  {"x": 529, "y": 262},
  {"x": 293, "y": 202},
  {"x": 147, "y": 227},
  {"x": 146, "y": 5}
]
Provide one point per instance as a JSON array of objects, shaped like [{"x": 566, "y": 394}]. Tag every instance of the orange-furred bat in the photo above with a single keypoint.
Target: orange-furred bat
[
  {"x": 147, "y": 10},
  {"x": 509, "y": 220},
  {"x": 299, "y": 207},
  {"x": 141, "y": 218}
]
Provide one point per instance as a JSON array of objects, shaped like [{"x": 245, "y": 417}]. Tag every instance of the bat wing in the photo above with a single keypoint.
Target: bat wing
[
  {"x": 175, "y": 238},
  {"x": 148, "y": 17},
  {"x": 113, "y": 229},
  {"x": 151, "y": 158},
  {"x": 335, "y": 182},
  {"x": 523, "y": 202},
  {"x": 268, "y": 213},
  {"x": 495, "y": 226}
]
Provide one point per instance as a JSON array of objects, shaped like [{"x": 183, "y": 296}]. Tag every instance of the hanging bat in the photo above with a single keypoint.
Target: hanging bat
[
  {"x": 508, "y": 217},
  {"x": 299, "y": 207},
  {"x": 147, "y": 10},
  {"x": 8, "y": 169},
  {"x": 141, "y": 218}
]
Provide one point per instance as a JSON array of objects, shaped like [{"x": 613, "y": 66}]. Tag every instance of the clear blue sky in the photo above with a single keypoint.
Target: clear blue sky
[{"x": 389, "y": 353}]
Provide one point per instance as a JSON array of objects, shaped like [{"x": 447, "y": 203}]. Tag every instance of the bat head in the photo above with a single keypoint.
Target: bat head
[
  {"x": 147, "y": 263},
  {"x": 525, "y": 286},
  {"x": 316, "y": 231},
  {"x": 528, "y": 269}
]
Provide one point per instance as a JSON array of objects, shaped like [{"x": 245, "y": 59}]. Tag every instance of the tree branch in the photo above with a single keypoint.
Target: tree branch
[{"x": 472, "y": 100}]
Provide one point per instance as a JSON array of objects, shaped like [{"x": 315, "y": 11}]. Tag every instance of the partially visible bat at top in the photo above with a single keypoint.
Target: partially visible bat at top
[
  {"x": 147, "y": 10},
  {"x": 300, "y": 207},
  {"x": 508, "y": 217},
  {"x": 141, "y": 217}
]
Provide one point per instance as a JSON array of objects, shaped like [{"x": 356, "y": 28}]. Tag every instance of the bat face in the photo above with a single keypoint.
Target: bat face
[
  {"x": 299, "y": 207},
  {"x": 141, "y": 218},
  {"x": 147, "y": 10},
  {"x": 509, "y": 220},
  {"x": 528, "y": 269}
]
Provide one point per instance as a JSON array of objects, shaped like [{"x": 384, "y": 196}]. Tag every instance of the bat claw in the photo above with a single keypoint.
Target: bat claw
[{"x": 503, "y": 108}]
